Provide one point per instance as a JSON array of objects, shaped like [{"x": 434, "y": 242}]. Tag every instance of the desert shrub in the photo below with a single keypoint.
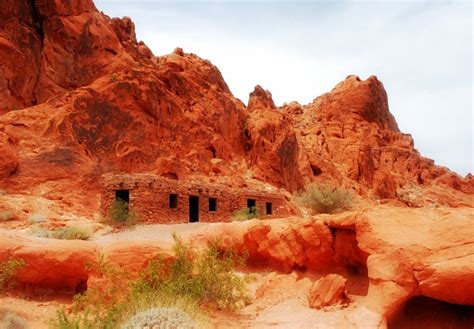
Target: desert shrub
[
  {"x": 36, "y": 218},
  {"x": 324, "y": 198},
  {"x": 206, "y": 277},
  {"x": 12, "y": 321},
  {"x": 8, "y": 269},
  {"x": 187, "y": 283},
  {"x": 5, "y": 216},
  {"x": 162, "y": 317},
  {"x": 245, "y": 214},
  {"x": 120, "y": 212},
  {"x": 40, "y": 232},
  {"x": 72, "y": 233}
]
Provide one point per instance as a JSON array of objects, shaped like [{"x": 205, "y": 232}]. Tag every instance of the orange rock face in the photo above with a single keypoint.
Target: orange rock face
[
  {"x": 327, "y": 291},
  {"x": 104, "y": 104}
]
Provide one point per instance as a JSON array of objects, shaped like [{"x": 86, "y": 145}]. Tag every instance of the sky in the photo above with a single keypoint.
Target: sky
[{"x": 422, "y": 51}]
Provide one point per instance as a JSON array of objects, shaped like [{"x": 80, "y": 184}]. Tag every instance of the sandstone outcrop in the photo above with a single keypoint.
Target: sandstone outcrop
[
  {"x": 350, "y": 137},
  {"x": 327, "y": 291},
  {"x": 95, "y": 100}
]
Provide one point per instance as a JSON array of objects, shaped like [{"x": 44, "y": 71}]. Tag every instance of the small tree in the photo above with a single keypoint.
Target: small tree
[{"x": 325, "y": 198}]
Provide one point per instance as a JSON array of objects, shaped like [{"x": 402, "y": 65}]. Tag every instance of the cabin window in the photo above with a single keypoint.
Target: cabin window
[
  {"x": 122, "y": 195},
  {"x": 212, "y": 204},
  {"x": 269, "y": 208},
  {"x": 173, "y": 201}
]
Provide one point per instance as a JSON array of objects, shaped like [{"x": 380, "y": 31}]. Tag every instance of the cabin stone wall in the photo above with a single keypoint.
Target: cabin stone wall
[{"x": 149, "y": 196}]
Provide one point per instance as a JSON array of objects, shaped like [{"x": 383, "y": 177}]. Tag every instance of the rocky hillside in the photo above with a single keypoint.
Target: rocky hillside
[{"x": 79, "y": 97}]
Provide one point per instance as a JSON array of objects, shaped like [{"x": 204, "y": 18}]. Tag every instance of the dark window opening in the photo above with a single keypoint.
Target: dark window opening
[
  {"x": 212, "y": 204},
  {"x": 252, "y": 206},
  {"x": 122, "y": 195},
  {"x": 194, "y": 209},
  {"x": 173, "y": 201},
  {"x": 269, "y": 207}
]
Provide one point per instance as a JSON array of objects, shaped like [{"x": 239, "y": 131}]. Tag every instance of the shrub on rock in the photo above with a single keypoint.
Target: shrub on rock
[{"x": 325, "y": 198}]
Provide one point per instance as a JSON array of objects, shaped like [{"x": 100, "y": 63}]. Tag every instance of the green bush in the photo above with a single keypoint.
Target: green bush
[
  {"x": 5, "y": 216},
  {"x": 205, "y": 277},
  {"x": 325, "y": 198},
  {"x": 120, "y": 212},
  {"x": 72, "y": 233},
  {"x": 245, "y": 214},
  {"x": 8, "y": 269},
  {"x": 187, "y": 282}
]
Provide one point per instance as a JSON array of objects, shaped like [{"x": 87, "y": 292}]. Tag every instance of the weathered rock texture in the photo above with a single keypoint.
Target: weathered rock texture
[
  {"x": 327, "y": 291},
  {"x": 411, "y": 252},
  {"x": 80, "y": 97}
]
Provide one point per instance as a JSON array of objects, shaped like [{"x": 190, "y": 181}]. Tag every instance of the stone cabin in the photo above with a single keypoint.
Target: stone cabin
[{"x": 163, "y": 200}]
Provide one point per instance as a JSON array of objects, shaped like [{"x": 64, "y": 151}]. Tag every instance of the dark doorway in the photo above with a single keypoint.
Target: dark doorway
[
  {"x": 269, "y": 207},
  {"x": 212, "y": 204},
  {"x": 193, "y": 209},
  {"x": 173, "y": 201},
  {"x": 251, "y": 203},
  {"x": 252, "y": 206},
  {"x": 122, "y": 195}
]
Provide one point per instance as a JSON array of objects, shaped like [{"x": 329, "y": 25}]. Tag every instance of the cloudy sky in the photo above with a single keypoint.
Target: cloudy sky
[{"x": 421, "y": 50}]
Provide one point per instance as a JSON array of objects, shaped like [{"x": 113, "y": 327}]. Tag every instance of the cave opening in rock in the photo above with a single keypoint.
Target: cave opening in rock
[
  {"x": 316, "y": 170},
  {"x": 426, "y": 312}
]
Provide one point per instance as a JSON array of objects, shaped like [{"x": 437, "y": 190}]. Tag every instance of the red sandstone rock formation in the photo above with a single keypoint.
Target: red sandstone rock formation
[{"x": 95, "y": 101}]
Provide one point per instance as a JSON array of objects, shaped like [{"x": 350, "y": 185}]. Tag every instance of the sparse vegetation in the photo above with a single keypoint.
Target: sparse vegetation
[
  {"x": 206, "y": 277},
  {"x": 5, "y": 216},
  {"x": 36, "y": 218},
  {"x": 121, "y": 212},
  {"x": 245, "y": 214},
  {"x": 8, "y": 269},
  {"x": 40, "y": 232},
  {"x": 186, "y": 283},
  {"x": 72, "y": 233},
  {"x": 161, "y": 317},
  {"x": 325, "y": 198},
  {"x": 12, "y": 321}
]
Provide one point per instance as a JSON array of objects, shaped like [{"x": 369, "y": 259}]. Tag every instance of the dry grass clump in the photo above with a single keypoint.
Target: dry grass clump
[
  {"x": 36, "y": 218},
  {"x": 6, "y": 216},
  {"x": 8, "y": 269},
  {"x": 245, "y": 214},
  {"x": 161, "y": 318},
  {"x": 72, "y": 233},
  {"x": 12, "y": 321},
  {"x": 40, "y": 232},
  {"x": 325, "y": 198}
]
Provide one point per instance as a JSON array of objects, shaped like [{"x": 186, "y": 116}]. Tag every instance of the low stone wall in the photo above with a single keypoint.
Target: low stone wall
[{"x": 149, "y": 196}]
